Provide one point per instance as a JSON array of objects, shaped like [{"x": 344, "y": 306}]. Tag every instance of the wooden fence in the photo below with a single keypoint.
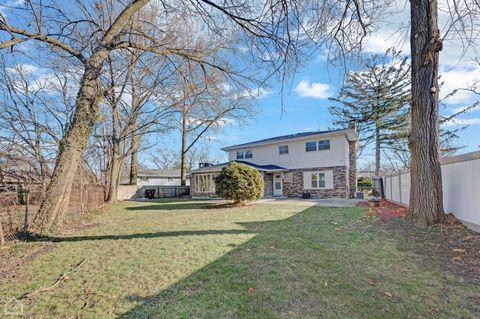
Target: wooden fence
[{"x": 19, "y": 206}]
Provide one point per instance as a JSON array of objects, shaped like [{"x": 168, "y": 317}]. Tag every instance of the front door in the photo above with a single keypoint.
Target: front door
[{"x": 277, "y": 185}]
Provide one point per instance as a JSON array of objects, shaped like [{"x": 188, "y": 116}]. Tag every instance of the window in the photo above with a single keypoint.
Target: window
[
  {"x": 314, "y": 180},
  {"x": 282, "y": 149},
  {"x": 248, "y": 154},
  {"x": 310, "y": 146},
  {"x": 239, "y": 154},
  {"x": 170, "y": 179},
  {"x": 321, "y": 180},
  {"x": 323, "y": 145},
  {"x": 318, "y": 180},
  {"x": 204, "y": 183}
]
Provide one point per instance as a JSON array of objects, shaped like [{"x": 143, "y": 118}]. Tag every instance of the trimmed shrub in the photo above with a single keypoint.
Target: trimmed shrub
[{"x": 239, "y": 182}]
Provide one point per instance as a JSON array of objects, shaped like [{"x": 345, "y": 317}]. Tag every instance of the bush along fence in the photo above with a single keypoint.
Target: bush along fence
[
  {"x": 20, "y": 203},
  {"x": 461, "y": 188}
]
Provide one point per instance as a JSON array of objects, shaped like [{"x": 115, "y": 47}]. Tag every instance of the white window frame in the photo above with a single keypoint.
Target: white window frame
[
  {"x": 240, "y": 155},
  {"x": 285, "y": 146},
  {"x": 307, "y": 150},
  {"x": 318, "y": 180},
  {"x": 204, "y": 183},
  {"x": 249, "y": 152},
  {"x": 324, "y": 180},
  {"x": 323, "y": 149}
]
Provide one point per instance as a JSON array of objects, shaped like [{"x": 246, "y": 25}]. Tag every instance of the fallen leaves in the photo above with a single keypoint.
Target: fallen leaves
[
  {"x": 388, "y": 294},
  {"x": 459, "y": 250},
  {"x": 372, "y": 283},
  {"x": 250, "y": 290},
  {"x": 457, "y": 259}
]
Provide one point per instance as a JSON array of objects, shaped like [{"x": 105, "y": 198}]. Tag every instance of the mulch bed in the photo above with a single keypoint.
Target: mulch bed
[
  {"x": 386, "y": 210},
  {"x": 451, "y": 245}
]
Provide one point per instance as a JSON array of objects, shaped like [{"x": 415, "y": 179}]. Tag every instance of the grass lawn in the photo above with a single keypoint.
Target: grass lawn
[{"x": 193, "y": 259}]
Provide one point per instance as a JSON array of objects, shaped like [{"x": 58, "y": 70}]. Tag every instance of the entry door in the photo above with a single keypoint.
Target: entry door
[{"x": 277, "y": 185}]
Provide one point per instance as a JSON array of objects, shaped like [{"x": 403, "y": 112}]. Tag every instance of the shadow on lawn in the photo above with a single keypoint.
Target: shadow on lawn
[
  {"x": 221, "y": 288},
  {"x": 145, "y": 235},
  {"x": 316, "y": 263},
  {"x": 179, "y": 206}
]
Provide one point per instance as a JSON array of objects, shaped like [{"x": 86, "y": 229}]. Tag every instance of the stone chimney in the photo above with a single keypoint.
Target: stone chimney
[{"x": 352, "y": 159}]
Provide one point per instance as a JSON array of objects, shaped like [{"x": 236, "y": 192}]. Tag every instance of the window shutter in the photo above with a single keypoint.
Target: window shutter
[
  {"x": 329, "y": 179},
  {"x": 307, "y": 181}
]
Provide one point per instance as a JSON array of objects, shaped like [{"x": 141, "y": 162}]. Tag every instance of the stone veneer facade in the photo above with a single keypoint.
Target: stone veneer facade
[
  {"x": 352, "y": 168},
  {"x": 294, "y": 187},
  {"x": 268, "y": 181}
]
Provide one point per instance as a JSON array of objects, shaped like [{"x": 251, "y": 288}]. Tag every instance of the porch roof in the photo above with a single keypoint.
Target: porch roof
[{"x": 218, "y": 167}]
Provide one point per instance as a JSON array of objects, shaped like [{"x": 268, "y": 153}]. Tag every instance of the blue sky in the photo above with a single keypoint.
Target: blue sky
[
  {"x": 305, "y": 102},
  {"x": 305, "y": 106}
]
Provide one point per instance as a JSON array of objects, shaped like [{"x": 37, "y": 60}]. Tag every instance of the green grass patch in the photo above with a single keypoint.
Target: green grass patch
[{"x": 199, "y": 259}]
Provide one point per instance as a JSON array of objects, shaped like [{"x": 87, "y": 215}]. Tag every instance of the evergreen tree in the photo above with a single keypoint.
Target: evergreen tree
[{"x": 377, "y": 99}]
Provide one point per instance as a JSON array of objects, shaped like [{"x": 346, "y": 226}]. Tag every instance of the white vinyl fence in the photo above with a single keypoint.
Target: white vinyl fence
[{"x": 461, "y": 187}]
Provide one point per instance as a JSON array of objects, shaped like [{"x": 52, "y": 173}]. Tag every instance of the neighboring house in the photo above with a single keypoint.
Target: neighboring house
[
  {"x": 321, "y": 163},
  {"x": 156, "y": 177}
]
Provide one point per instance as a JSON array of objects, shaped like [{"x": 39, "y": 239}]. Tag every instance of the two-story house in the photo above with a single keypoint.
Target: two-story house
[{"x": 321, "y": 163}]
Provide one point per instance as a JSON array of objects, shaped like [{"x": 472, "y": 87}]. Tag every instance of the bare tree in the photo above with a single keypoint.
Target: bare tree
[
  {"x": 207, "y": 102},
  {"x": 167, "y": 158},
  {"x": 86, "y": 33}
]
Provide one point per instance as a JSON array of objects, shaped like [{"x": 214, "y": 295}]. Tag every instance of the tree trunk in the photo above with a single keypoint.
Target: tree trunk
[
  {"x": 115, "y": 166},
  {"x": 183, "y": 153},
  {"x": 426, "y": 198},
  {"x": 135, "y": 137},
  {"x": 377, "y": 151},
  {"x": 71, "y": 147},
  {"x": 134, "y": 159}
]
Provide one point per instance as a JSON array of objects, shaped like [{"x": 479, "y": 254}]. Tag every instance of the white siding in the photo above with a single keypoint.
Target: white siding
[
  {"x": 297, "y": 157},
  {"x": 161, "y": 181}
]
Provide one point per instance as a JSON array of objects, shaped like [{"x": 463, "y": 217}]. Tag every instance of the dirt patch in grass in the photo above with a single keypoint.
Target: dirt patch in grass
[
  {"x": 15, "y": 255},
  {"x": 452, "y": 246}
]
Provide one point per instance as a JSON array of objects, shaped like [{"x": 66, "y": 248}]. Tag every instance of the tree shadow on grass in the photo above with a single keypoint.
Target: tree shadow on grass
[
  {"x": 317, "y": 263},
  {"x": 180, "y": 206},
  {"x": 251, "y": 281},
  {"x": 145, "y": 235}
]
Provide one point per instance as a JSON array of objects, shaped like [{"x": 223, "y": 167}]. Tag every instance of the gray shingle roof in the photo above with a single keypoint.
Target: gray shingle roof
[{"x": 283, "y": 137}]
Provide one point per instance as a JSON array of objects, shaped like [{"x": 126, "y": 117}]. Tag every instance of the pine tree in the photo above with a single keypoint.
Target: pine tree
[{"x": 377, "y": 100}]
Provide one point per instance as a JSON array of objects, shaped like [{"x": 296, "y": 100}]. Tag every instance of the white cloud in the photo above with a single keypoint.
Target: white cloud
[
  {"x": 315, "y": 90},
  {"x": 379, "y": 42},
  {"x": 459, "y": 76},
  {"x": 257, "y": 93},
  {"x": 459, "y": 122}
]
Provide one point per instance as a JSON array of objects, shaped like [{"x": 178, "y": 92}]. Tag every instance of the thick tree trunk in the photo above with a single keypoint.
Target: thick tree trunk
[
  {"x": 377, "y": 151},
  {"x": 426, "y": 198},
  {"x": 71, "y": 147},
  {"x": 183, "y": 153}
]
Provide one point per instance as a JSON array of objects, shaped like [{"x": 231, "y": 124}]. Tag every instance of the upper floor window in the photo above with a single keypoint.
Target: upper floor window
[
  {"x": 323, "y": 145},
  {"x": 248, "y": 154},
  {"x": 311, "y": 146},
  {"x": 283, "y": 149},
  {"x": 240, "y": 155}
]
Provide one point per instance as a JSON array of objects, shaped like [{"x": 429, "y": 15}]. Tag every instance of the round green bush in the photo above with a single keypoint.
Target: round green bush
[{"x": 239, "y": 182}]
